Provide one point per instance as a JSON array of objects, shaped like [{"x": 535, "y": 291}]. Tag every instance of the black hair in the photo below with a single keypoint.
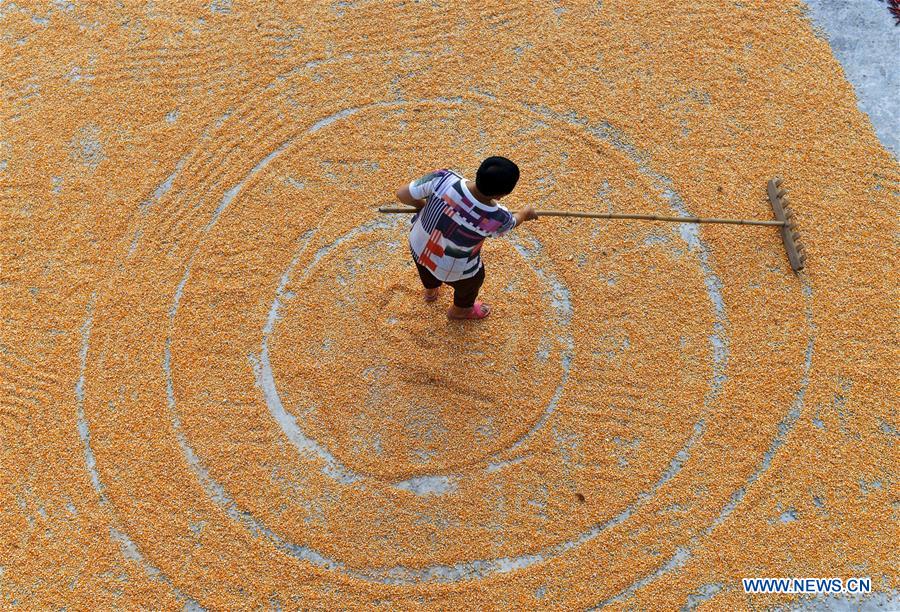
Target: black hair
[{"x": 496, "y": 176}]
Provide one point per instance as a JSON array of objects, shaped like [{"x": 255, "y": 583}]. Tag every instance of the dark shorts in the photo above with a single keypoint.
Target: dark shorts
[{"x": 464, "y": 291}]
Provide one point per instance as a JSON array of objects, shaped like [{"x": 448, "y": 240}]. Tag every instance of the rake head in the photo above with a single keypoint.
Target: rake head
[{"x": 789, "y": 234}]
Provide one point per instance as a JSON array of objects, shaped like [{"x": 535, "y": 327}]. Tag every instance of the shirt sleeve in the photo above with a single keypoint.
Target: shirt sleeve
[
  {"x": 507, "y": 221},
  {"x": 424, "y": 187}
]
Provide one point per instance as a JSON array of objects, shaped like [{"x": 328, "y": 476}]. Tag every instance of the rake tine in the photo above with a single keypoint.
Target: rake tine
[{"x": 789, "y": 235}]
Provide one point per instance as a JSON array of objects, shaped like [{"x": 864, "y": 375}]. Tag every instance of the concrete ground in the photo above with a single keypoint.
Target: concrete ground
[{"x": 866, "y": 41}]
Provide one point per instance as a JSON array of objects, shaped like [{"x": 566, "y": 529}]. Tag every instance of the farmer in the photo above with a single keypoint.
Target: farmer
[{"x": 453, "y": 218}]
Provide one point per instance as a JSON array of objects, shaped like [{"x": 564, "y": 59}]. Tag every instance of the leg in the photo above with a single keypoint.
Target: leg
[
  {"x": 465, "y": 292},
  {"x": 430, "y": 283}
]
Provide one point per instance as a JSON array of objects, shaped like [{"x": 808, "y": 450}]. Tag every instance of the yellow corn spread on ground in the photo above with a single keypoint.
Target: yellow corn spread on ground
[{"x": 219, "y": 385}]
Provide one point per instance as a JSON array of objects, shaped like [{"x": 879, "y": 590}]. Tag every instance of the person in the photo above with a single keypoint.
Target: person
[{"x": 453, "y": 218}]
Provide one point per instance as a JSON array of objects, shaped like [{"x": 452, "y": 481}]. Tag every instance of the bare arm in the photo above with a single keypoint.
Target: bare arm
[
  {"x": 404, "y": 196},
  {"x": 526, "y": 214}
]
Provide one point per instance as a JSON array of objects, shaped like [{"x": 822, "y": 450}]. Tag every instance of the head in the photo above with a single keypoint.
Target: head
[{"x": 496, "y": 177}]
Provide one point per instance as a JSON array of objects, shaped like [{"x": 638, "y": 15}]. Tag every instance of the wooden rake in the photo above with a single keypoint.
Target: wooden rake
[{"x": 784, "y": 219}]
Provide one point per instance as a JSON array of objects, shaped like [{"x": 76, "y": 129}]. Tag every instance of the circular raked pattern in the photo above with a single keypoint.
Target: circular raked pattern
[
  {"x": 363, "y": 405},
  {"x": 268, "y": 413}
]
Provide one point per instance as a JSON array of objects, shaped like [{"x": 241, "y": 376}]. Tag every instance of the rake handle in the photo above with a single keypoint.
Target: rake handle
[{"x": 593, "y": 215}]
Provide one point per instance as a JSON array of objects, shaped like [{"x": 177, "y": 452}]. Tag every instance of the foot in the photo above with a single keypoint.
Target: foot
[
  {"x": 431, "y": 294},
  {"x": 479, "y": 311}
]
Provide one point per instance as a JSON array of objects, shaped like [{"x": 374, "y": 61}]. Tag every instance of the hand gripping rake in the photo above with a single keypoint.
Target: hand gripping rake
[{"x": 784, "y": 219}]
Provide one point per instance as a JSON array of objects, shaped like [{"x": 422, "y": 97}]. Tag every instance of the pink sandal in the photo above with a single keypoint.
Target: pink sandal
[
  {"x": 479, "y": 311},
  {"x": 431, "y": 297}
]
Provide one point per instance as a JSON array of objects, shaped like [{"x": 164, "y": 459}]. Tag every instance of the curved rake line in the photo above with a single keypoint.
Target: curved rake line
[
  {"x": 431, "y": 483},
  {"x": 464, "y": 570},
  {"x": 127, "y": 546},
  {"x": 785, "y": 426}
]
